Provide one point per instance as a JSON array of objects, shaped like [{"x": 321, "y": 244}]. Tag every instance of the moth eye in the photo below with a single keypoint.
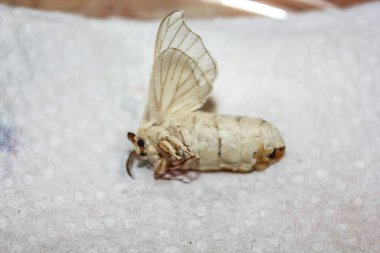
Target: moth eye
[{"x": 140, "y": 143}]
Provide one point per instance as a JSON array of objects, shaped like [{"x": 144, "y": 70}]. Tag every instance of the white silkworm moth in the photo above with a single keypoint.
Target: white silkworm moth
[{"x": 175, "y": 136}]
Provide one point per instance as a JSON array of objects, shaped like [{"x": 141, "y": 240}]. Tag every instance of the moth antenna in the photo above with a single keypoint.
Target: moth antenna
[
  {"x": 129, "y": 162},
  {"x": 131, "y": 137}
]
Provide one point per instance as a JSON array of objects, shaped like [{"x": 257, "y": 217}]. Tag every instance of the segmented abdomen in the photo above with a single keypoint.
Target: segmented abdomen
[{"x": 228, "y": 142}]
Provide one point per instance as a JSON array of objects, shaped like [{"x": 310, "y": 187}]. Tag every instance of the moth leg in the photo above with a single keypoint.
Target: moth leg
[
  {"x": 162, "y": 171},
  {"x": 183, "y": 152},
  {"x": 184, "y": 134},
  {"x": 179, "y": 146},
  {"x": 168, "y": 149},
  {"x": 160, "y": 167}
]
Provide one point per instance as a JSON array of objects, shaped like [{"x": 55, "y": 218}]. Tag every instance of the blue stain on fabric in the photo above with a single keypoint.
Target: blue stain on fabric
[{"x": 7, "y": 139}]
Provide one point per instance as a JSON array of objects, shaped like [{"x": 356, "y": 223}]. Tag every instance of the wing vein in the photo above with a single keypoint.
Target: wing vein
[
  {"x": 174, "y": 36},
  {"x": 183, "y": 39},
  {"x": 179, "y": 79},
  {"x": 180, "y": 18}
]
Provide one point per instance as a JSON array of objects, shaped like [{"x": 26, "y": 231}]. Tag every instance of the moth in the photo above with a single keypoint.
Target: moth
[{"x": 175, "y": 136}]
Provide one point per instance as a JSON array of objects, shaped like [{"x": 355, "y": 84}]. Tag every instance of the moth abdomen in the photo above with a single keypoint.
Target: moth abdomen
[{"x": 233, "y": 142}]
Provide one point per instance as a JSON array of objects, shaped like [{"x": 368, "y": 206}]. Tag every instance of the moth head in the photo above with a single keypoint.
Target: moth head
[
  {"x": 139, "y": 152},
  {"x": 139, "y": 143}
]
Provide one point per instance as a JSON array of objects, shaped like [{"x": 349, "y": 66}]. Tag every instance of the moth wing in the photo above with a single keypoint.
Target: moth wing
[
  {"x": 183, "y": 70},
  {"x": 174, "y": 33},
  {"x": 178, "y": 85}
]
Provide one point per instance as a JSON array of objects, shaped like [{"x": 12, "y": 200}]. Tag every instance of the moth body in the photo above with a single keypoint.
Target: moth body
[{"x": 220, "y": 142}]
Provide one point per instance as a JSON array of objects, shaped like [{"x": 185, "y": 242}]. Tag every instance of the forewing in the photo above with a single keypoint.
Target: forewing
[
  {"x": 183, "y": 70},
  {"x": 177, "y": 86},
  {"x": 174, "y": 33}
]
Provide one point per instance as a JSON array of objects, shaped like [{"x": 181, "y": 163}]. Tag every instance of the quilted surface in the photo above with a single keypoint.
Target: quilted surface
[{"x": 70, "y": 89}]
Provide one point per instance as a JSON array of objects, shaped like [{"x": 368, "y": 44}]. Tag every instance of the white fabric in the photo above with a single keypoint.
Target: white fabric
[{"x": 71, "y": 88}]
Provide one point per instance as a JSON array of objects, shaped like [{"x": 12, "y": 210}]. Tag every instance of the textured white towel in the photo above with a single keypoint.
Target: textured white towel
[{"x": 70, "y": 89}]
